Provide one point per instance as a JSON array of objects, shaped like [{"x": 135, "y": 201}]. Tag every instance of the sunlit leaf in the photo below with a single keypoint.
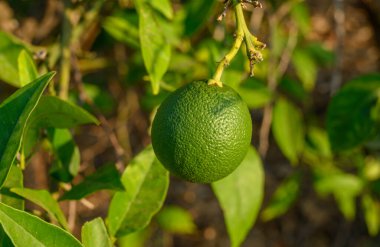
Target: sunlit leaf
[
  {"x": 146, "y": 182},
  {"x": 15, "y": 179},
  {"x": 175, "y": 219},
  {"x": 155, "y": 49},
  {"x": 240, "y": 195},
  {"x": 332, "y": 182},
  {"x": 283, "y": 198},
  {"x": 300, "y": 13},
  {"x": 163, "y": 6},
  {"x": 14, "y": 112},
  {"x": 123, "y": 26},
  {"x": 10, "y": 48},
  {"x": 45, "y": 200},
  {"x": 23, "y": 228},
  {"x": 306, "y": 68},
  {"x": 27, "y": 69},
  {"x": 288, "y": 129},
  {"x": 371, "y": 210},
  {"x": 54, "y": 112},
  {"x": 94, "y": 234}
]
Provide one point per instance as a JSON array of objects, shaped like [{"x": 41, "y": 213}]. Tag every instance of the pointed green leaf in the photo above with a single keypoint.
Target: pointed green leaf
[
  {"x": 23, "y": 228},
  {"x": 54, "y": 112},
  {"x": 300, "y": 13},
  {"x": 10, "y": 48},
  {"x": 136, "y": 239},
  {"x": 123, "y": 26},
  {"x": 283, "y": 198},
  {"x": 288, "y": 129},
  {"x": 66, "y": 155},
  {"x": 94, "y": 234},
  {"x": 306, "y": 68},
  {"x": 106, "y": 178},
  {"x": 164, "y": 7},
  {"x": 175, "y": 219},
  {"x": 155, "y": 49},
  {"x": 146, "y": 182},
  {"x": 254, "y": 93},
  {"x": 4, "y": 239},
  {"x": 332, "y": 181},
  {"x": 27, "y": 69},
  {"x": 14, "y": 113},
  {"x": 371, "y": 210},
  {"x": 240, "y": 195},
  {"x": 15, "y": 179},
  {"x": 349, "y": 121},
  {"x": 198, "y": 12},
  {"x": 43, "y": 199}
]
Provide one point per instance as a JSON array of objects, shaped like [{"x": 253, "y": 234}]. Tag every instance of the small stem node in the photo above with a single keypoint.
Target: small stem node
[{"x": 253, "y": 45}]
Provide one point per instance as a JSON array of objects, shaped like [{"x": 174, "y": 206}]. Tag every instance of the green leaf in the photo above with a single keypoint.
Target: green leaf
[
  {"x": 15, "y": 112},
  {"x": 349, "y": 122},
  {"x": 4, "y": 239},
  {"x": 146, "y": 182},
  {"x": 54, "y": 112},
  {"x": 283, "y": 198},
  {"x": 176, "y": 220},
  {"x": 332, "y": 181},
  {"x": 288, "y": 129},
  {"x": 15, "y": 179},
  {"x": 10, "y": 48},
  {"x": 293, "y": 88},
  {"x": 94, "y": 234},
  {"x": 136, "y": 239},
  {"x": 300, "y": 13},
  {"x": 66, "y": 155},
  {"x": 155, "y": 49},
  {"x": 123, "y": 26},
  {"x": 240, "y": 195},
  {"x": 43, "y": 199},
  {"x": 306, "y": 68},
  {"x": 106, "y": 178},
  {"x": 317, "y": 147},
  {"x": 198, "y": 12},
  {"x": 164, "y": 7},
  {"x": 371, "y": 210},
  {"x": 27, "y": 69},
  {"x": 322, "y": 55},
  {"x": 23, "y": 228},
  {"x": 254, "y": 93}
]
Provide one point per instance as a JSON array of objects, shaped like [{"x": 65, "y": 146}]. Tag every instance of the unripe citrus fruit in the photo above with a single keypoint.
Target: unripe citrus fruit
[{"x": 201, "y": 132}]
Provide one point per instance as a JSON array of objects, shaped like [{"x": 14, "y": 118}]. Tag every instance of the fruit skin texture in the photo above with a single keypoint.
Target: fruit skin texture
[{"x": 202, "y": 132}]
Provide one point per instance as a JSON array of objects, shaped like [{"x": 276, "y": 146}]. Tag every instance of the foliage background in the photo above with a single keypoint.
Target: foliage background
[{"x": 314, "y": 46}]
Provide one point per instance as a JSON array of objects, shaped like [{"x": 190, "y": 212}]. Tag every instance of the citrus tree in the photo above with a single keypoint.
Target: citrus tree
[{"x": 199, "y": 73}]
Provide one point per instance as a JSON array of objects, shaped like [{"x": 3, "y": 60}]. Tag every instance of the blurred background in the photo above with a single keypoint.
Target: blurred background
[{"x": 320, "y": 190}]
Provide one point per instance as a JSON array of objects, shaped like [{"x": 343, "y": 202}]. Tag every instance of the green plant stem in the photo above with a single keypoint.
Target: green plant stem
[
  {"x": 71, "y": 35},
  {"x": 242, "y": 34}
]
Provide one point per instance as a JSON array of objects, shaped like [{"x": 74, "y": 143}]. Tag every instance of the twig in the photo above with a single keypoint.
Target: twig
[
  {"x": 72, "y": 215},
  {"x": 272, "y": 84},
  {"x": 242, "y": 34},
  {"x": 106, "y": 126},
  {"x": 84, "y": 201},
  {"x": 339, "y": 18}
]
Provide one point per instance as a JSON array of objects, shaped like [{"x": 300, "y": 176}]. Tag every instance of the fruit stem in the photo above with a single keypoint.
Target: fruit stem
[{"x": 242, "y": 34}]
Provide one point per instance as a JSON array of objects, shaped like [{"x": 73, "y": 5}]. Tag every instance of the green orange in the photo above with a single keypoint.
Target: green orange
[{"x": 202, "y": 132}]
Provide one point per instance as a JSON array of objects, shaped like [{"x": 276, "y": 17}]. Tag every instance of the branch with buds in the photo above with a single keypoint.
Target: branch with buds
[{"x": 253, "y": 45}]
